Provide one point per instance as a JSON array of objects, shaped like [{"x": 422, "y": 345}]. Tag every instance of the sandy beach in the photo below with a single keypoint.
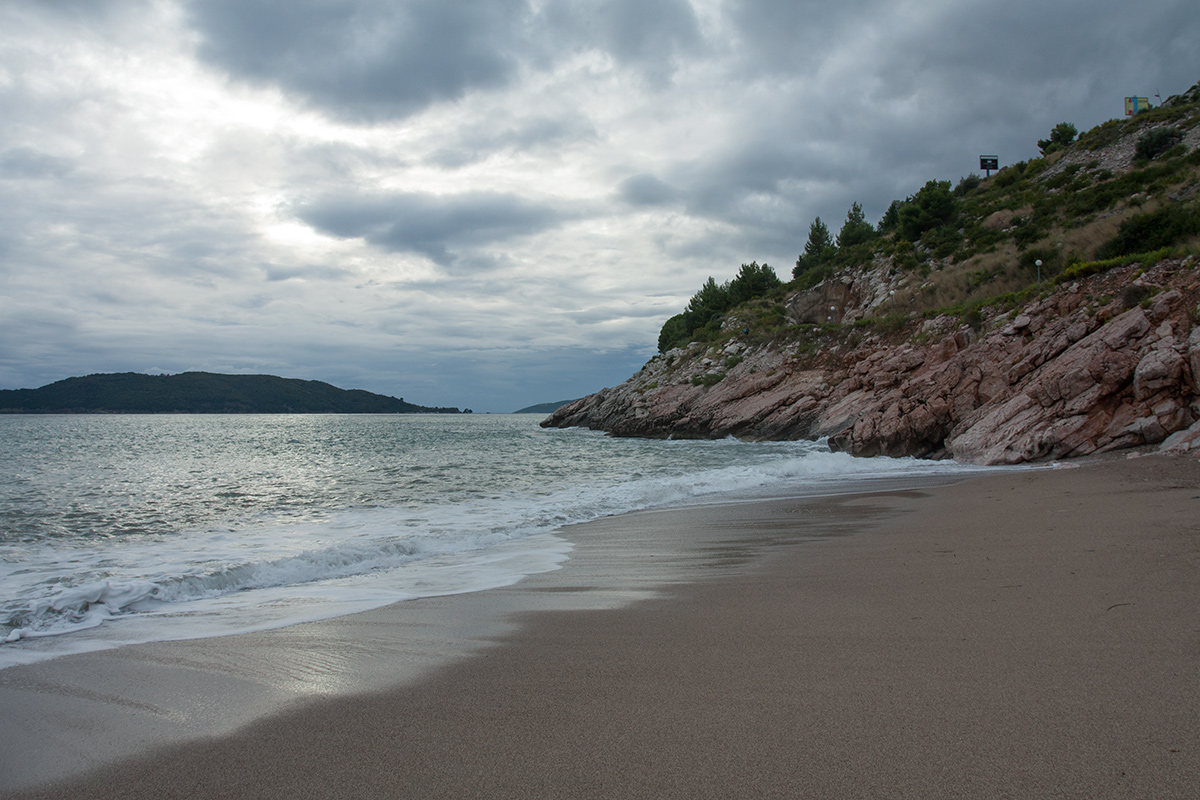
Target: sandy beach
[{"x": 1023, "y": 634}]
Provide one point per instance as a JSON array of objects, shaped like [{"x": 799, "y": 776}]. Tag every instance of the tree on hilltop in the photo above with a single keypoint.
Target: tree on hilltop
[
  {"x": 1061, "y": 137},
  {"x": 707, "y": 307},
  {"x": 856, "y": 229},
  {"x": 817, "y": 250},
  {"x": 752, "y": 281},
  {"x": 931, "y": 207}
]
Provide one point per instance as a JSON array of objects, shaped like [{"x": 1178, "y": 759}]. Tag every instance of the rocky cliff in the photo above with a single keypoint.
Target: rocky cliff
[
  {"x": 1104, "y": 362},
  {"x": 1097, "y": 354}
]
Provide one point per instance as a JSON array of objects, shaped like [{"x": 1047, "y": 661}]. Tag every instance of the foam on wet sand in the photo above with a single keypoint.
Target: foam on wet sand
[{"x": 1027, "y": 634}]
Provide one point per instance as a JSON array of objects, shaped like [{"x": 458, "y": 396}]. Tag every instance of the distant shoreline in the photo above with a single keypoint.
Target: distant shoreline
[
  {"x": 17, "y": 412},
  {"x": 202, "y": 393}
]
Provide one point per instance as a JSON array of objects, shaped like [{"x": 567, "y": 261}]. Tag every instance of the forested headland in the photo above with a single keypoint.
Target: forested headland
[{"x": 201, "y": 393}]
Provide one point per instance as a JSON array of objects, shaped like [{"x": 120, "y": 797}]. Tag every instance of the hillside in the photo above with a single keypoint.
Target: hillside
[
  {"x": 201, "y": 393},
  {"x": 1047, "y": 311},
  {"x": 545, "y": 408}
]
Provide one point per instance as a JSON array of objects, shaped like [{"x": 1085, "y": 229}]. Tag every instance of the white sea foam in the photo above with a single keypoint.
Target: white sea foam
[{"x": 502, "y": 487}]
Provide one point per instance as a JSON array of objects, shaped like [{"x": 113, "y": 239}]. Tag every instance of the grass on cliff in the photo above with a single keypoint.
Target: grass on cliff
[{"x": 976, "y": 245}]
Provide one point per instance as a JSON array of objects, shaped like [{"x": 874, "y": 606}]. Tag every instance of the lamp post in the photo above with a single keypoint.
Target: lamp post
[
  {"x": 1039, "y": 267},
  {"x": 892, "y": 301}
]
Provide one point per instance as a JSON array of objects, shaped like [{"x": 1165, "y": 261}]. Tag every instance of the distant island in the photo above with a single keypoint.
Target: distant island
[
  {"x": 201, "y": 393},
  {"x": 544, "y": 408}
]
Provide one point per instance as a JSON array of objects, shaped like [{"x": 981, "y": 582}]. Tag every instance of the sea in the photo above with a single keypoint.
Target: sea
[{"x": 118, "y": 529}]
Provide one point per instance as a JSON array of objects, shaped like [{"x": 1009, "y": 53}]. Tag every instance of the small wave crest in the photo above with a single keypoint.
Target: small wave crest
[
  {"x": 128, "y": 577},
  {"x": 91, "y": 604}
]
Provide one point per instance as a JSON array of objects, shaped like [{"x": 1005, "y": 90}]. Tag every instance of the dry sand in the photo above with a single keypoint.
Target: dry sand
[{"x": 1027, "y": 635}]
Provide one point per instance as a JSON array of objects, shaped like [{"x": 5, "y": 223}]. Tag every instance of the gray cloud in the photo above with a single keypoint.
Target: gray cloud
[
  {"x": 790, "y": 36},
  {"x": 552, "y": 178},
  {"x": 537, "y": 133},
  {"x": 364, "y": 60},
  {"x": 438, "y": 227},
  {"x": 376, "y": 59},
  {"x": 647, "y": 34},
  {"x": 646, "y": 190},
  {"x": 25, "y": 162},
  {"x": 310, "y": 272}
]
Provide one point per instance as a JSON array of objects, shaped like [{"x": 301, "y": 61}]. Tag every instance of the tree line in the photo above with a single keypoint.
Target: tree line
[
  {"x": 939, "y": 225},
  {"x": 934, "y": 206}
]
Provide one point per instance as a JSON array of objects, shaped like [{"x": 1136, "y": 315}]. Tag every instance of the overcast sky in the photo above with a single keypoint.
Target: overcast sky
[{"x": 488, "y": 203}]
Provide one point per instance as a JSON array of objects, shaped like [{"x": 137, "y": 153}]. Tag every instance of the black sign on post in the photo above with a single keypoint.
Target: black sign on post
[{"x": 989, "y": 163}]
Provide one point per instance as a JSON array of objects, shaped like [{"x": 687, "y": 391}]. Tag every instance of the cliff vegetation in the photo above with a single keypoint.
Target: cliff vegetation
[{"x": 1046, "y": 311}]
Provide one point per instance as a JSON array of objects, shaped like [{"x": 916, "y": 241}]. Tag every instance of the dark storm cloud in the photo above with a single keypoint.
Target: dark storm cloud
[
  {"x": 364, "y": 60},
  {"x": 439, "y": 227},
  {"x": 789, "y": 35},
  {"x": 864, "y": 101},
  {"x": 377, "y": 59}
]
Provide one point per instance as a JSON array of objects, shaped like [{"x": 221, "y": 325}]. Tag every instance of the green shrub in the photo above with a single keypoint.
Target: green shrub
[
  {"x": 904, "y": 256},
  {"x": 1153, "y": 231},
  {"x": 1009, "y": 175},
  {"x": 1178, "y": 151},
  {"x": 1036, "y": 167},
  {"x": 931, "y": 207},
  {"x": 967, "y": 185},
  {"x": 1027, "y": 234},
  {"x": 1103, "y": 135},
  {"x": 1105, "y": 195},
  {"x": 1061, "y": 137},
  {"x": 810, "y": 276},
  {"x": 890, "y": 323},
  {"x": 674, "y": 333},
  {"x": 1153, "y": 143},
  {"x": 1085, "y": 268}
]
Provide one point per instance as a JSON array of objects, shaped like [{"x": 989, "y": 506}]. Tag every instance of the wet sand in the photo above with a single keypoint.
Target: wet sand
[{"x": 1030, "y": 634}]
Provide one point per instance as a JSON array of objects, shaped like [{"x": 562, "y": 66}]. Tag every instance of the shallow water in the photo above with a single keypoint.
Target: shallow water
[{"x": 118, "y": 529}]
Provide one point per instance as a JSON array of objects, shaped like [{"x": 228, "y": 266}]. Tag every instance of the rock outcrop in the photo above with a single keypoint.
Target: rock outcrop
[{"x": 1105, "y": 362}]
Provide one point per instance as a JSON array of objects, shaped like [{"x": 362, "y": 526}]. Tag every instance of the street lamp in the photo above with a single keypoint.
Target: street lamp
[
  {"x": 892, "y": 300},
  {"x": 1039, "y": 266}
]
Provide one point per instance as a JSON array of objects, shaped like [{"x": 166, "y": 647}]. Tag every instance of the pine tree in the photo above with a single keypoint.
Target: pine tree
[
  {"x": 856, "y": 229},
  {"x": 817, "y": 250},
  {"x": 818, "y": 241}
]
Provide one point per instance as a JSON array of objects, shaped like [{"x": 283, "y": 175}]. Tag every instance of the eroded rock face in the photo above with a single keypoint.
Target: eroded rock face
[{"x": 1068, "y": 375}]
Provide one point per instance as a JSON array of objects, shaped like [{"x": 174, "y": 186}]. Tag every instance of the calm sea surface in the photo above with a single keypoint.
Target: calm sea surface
[{"x": 116, "y": 529}]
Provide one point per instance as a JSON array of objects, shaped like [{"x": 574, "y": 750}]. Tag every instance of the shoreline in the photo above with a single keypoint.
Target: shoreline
[
  {"x": 1015, "y": 634},
  {"x": 142, "y": 696}
]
